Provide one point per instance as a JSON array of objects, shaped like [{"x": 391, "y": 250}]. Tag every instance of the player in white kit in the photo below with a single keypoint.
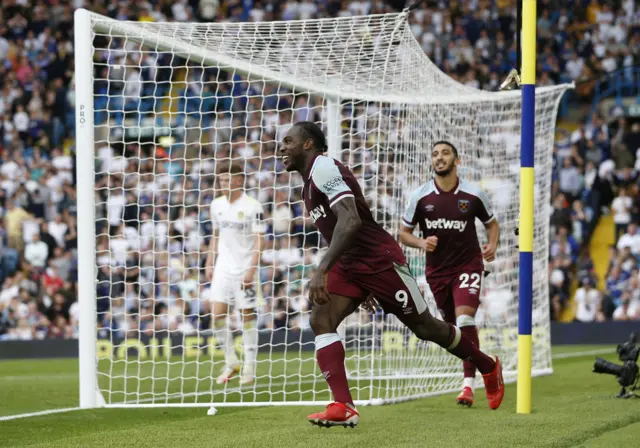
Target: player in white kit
[{"x": 238, "y": 235}]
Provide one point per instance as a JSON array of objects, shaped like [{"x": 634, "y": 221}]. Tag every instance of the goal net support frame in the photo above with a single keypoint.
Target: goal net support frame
[{"x": 335, "y": 90}]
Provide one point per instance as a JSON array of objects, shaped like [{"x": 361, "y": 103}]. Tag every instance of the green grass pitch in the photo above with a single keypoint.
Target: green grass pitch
[{"x": 572, "y": 408}]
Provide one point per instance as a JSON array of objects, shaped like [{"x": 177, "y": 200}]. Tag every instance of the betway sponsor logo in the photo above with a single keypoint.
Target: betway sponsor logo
[
  {"x": 446, "y": 224},
  {"x": 317, "y": 213}
]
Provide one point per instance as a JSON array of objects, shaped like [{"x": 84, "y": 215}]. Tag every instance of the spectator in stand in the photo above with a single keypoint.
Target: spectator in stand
[
  {"x": 621, "y": 207},
  {"x": 588, "y": 302},
  {"x": 557, "y": 295},
  {"x": 629, "y": 308},
  {"x": 579, "y": 219},
  {"x": 616, "y": 284},
  {"x": 570, "y": 179},
  {"x": 561, "y": 216},
  {"x": 36, "y": 253},
  {"x": 631, "y": 240}
]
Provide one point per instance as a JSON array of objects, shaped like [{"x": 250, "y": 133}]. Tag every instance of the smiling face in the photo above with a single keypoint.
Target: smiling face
[
  {"x": 443, "y": 159},
  {"x": 295, "y": 149}
]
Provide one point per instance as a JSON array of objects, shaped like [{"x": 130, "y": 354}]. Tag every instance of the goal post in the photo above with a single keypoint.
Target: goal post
[
  {"x": 87, "y": 331},
  {"x": 159, "y": 105}
]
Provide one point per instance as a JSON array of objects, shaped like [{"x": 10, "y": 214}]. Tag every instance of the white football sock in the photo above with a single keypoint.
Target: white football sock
[
  {"x": 250, "y": 341},
  {"x": 469, "y": 382},
  {"x": 225, "y": 338}
]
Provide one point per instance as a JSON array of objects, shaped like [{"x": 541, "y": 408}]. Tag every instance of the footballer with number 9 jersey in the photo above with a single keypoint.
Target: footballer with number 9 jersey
[
  {"x": 445, "y": 209},
  {"x": 363, "y": 260}
]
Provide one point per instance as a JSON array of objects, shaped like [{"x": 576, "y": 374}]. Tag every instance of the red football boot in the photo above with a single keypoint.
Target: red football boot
[
  {"x": 466, "y": 397},
  {"x": 336, "y": 414},
  {"x": 494, "y": 385}
]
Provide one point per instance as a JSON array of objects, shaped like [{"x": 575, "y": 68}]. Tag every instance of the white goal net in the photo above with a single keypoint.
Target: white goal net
[{"x": 160, "y": 105}]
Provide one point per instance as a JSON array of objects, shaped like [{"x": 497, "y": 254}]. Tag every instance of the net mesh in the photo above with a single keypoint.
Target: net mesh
[{"x": 172, "y": 101}]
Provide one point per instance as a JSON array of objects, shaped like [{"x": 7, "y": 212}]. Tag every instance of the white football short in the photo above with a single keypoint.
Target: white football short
[{"x": 228, "y": 288}]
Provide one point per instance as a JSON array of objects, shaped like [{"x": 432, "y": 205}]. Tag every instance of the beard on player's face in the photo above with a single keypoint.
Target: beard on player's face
[
  {"x": 291, "y": 157},
  {"x": 443, "y": 167},
  {"x": 289, "y": 152}
]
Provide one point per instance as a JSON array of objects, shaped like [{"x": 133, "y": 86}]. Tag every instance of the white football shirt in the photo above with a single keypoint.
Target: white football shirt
[{"x": 237, "y": 224}]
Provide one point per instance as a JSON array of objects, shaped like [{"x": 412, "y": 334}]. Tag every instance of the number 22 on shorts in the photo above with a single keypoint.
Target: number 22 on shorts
[{"x": 475, "y": 280}]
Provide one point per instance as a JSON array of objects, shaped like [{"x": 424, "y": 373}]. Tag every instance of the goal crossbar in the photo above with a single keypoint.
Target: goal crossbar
[{"x": 137, "y": 32}]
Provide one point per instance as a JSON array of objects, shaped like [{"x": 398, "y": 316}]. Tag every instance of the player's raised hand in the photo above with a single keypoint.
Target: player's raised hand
[
  {"x": 370, "y": 303},
  {"x": 489, "y": 252},
  {"x": 318, "y": 292},
  {"x": 430, "y": 243}
]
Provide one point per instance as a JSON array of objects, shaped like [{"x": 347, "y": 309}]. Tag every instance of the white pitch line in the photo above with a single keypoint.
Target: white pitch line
[
  {"x": 37, "y": 414},
  {"x": 66, "y": 376},
  {"x": 600, "y": 351}
]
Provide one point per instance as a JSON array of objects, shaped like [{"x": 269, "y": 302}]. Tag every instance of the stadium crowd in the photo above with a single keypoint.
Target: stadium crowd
[
  {"x": 596, "y": 173},
  {"x": 148, "y": 239}
]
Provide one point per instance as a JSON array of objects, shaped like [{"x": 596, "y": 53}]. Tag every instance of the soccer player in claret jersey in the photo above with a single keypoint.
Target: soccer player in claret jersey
[
  {"x": 362, "y": 260},
  {"x": 238, "y": 235},
  {"x": 445, "y": 209}
]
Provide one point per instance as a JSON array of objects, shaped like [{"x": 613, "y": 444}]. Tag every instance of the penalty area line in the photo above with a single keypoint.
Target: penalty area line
[{"x": 36, "y": 414}]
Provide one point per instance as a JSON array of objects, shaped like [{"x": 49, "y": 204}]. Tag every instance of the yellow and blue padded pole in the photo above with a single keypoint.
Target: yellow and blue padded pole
[{"x": 527, "y": 153}]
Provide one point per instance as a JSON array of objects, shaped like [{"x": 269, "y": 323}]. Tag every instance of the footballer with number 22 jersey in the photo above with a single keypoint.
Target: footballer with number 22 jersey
[
  {"x": 450, "y": 216},
  {"x": 445, "y": 209}
]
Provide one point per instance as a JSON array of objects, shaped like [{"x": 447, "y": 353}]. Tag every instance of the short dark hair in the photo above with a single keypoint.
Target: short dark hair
[
  {"x": 449, "y": 144},
  {"x": 229, "y": 167},
  {"x": 312, "y": 131}
]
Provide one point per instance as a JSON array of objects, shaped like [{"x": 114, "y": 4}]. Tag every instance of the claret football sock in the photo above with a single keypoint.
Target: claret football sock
[
  {"x": 330, "y": 356},
  {"x": 471, "y": 332},
  {"x": 462, "y": 347}
]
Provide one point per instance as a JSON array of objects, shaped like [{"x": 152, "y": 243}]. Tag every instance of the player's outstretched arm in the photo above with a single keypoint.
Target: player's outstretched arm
[
  {"x": 258, "y": 229},
  {"x": 485, "y": 214},
  {"x": 410, "y": 218},
  {"x": 256, "y": 255},
  {"x": 348, "y": 224},
  {"x": 409, "y": 239},
  {"x": 493, "y": 235},
  {"x": 211, "y": 255}
]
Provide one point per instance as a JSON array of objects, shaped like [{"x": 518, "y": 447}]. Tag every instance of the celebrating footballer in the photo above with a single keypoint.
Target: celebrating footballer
[
  {"x": 445, "y": 209},
  {"x": 362, "y": 260}
]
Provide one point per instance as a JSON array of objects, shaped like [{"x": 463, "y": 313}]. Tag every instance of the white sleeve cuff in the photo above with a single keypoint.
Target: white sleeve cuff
[
  {"x": 489, "y": 220},
  {"x": 407, "y": 224}
]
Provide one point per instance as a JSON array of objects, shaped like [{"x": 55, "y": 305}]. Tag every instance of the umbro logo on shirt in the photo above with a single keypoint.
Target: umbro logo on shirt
[{"x": 430, "y": 207}]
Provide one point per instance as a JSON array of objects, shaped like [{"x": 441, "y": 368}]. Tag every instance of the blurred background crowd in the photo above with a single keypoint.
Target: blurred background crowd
[{"x": 153, "y": 229}]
